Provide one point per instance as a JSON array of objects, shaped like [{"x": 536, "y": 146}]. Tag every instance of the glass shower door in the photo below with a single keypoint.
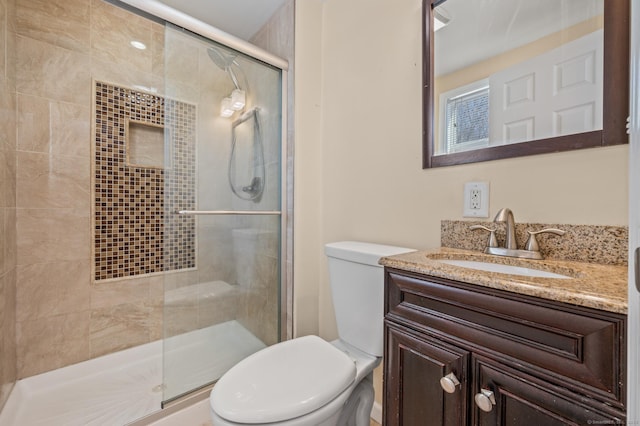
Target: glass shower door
[{"x": 222, "y": 240}]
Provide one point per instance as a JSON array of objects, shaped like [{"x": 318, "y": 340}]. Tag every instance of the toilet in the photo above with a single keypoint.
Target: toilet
[{"x": 308, "y": 381}]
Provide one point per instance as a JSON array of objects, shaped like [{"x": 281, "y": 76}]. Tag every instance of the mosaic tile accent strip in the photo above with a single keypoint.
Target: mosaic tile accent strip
[
  {"x": 135, "y": 228},
  {"x": 581, "y": 243}
]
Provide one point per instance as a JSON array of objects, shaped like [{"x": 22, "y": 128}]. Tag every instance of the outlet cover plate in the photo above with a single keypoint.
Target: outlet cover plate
[{"x": 476, "y": 199}]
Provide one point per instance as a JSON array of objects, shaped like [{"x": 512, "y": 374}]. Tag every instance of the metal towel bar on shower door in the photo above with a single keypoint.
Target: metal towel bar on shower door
[{"x": 230, "y": 212}]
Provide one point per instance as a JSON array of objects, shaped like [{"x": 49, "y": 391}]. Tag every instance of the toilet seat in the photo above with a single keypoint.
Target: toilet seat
[{"x": 284, "y": 381}]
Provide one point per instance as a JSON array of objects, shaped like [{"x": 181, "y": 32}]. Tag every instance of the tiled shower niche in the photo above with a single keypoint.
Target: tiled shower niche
[{"x": 136, "y": 228}]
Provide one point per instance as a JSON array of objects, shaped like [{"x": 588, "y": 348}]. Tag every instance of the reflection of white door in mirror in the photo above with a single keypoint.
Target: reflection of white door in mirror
[
  {"x": 543, "y": 62},
  {"x": 554, "y": 94}
]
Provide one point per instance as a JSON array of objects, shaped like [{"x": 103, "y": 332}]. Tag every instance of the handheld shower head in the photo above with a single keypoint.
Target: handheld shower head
[{"x": 222, "y": 59}]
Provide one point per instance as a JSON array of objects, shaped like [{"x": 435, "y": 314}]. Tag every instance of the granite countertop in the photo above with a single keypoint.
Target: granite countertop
[{"x": 592, "y": 285}]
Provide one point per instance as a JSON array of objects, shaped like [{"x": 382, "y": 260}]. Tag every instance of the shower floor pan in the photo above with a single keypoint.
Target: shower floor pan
[{"x": 122, "y": 387}]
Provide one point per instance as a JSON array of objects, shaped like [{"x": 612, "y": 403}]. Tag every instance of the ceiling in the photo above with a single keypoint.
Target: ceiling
[{"x": 241, "y": 18}]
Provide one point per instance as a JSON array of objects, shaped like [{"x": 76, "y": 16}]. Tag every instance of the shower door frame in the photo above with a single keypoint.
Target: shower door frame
[{"x": 165, "y": 13}]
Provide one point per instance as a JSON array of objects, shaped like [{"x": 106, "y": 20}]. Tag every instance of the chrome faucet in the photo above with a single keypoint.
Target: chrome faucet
[
  {"x": 531, "y": 250},
  {"x": 506, "y": 215}
]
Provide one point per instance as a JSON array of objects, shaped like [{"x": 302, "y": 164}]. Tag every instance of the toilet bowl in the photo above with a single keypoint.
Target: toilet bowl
[{"x": 308, "y": 381}]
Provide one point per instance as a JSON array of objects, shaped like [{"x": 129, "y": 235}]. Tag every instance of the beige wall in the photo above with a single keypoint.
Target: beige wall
[
  {"x": 307, "y": 255},
  {"x": 8, "y": 373},
  {"x": 358, "y": 151}
]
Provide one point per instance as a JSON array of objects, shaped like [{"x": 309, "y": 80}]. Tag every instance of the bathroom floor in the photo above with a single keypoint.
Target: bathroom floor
[
  {"x": 197, "y": 415},
  {"x": 127, "y": 385}
]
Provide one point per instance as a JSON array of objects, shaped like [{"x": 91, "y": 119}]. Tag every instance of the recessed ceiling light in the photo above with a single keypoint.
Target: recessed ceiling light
[{"x": 138, "y": 44}]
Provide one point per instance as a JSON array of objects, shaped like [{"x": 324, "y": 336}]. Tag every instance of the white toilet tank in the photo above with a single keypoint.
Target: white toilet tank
[{"x": 357, "y": 288}]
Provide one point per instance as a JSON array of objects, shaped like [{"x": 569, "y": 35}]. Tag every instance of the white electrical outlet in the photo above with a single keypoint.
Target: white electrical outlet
[{"x": 476, "y": 199}]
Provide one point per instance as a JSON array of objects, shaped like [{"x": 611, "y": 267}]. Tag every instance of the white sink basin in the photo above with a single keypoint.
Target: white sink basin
[{"x": 503, "y": 269}]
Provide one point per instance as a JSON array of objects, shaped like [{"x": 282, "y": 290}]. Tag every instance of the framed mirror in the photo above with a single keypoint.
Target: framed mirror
[{"x": 505, "y": 78}]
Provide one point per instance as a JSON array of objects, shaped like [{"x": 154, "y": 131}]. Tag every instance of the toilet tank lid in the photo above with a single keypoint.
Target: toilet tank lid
[
  {"x": 282, "y": 382},
  {"x": 361, "y": 252}
]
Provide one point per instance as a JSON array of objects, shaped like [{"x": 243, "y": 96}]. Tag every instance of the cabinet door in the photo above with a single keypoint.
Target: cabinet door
[
  {"x": 413, "y": 369},
  {"x": 516, "y": 399}
]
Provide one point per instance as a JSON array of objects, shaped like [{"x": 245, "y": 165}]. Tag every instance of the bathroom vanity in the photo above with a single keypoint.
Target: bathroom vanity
[{"x": 471, "y": 347}]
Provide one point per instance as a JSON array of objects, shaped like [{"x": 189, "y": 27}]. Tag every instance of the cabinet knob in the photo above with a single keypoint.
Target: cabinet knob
[
  {"x": 485, "y": 400},
  {"x": 449, "y": 383}
]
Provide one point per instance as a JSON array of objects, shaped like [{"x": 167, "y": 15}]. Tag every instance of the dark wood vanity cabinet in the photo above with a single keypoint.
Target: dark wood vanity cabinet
[{"x": 525, "y": 360}]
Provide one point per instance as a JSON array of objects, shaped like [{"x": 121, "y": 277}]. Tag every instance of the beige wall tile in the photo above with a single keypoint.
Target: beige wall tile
[
  {"x": 7, "y": 116},
  {"x": 7, "y": 178},
  {"x": 156, "y": 289},
  {"x": 179, "y": 90},
  {"x": 173, "y": 280},
  {"x": 8, "y": 366},
  {"x": 259, "y": 314},
  {"x": 155, "y": 303},
  {"x": 215, "y": 254},
  {"x": 113, "y": 29},
  {"x": 180, "y": 317},
  {"x": 8, "y": 354},
  {"x": 71, "y": 130},
  {"x": 4, "y": 265},
  {"x": 50, "y": 235},
  {"x": 123, "y": 74},
  {"x": 157, "y": 49},
  {"x": 52, "y": 72},
  {"x": 182, "y": 56},
  {"x": 52, "y": 181},
  {"x": 52, "y": 342},
  {"x": 64, "y": 23},
  {"x": 10, "y": 238},
  {"x": 3, "y": 40},
  {"x": 112, "y": 293},
  {"x": 33, "y": 123},
  {"x": 49, "y": 289},
  {"x": 7, "y": 240},
  {"x": 218, "y": 309},
  {"x": 10, "y": 41},
  {"x": 156, "y": 322},
  {"x": 276, "y": 36},
  {"x": 119, "y": 327}
]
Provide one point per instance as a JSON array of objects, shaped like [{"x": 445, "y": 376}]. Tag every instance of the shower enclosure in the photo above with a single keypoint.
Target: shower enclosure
[
  {"x": 223, "y": 202},
  {"x": 148, "y": 236}
]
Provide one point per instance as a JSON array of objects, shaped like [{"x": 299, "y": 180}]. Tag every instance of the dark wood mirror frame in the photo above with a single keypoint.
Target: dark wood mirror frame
[{"x": 615, "y": 98}]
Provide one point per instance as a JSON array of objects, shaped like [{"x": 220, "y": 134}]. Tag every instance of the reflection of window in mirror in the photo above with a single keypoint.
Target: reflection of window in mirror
[
  {"x": 539, "y": 64},
  {"x": 464, "y": 118}
]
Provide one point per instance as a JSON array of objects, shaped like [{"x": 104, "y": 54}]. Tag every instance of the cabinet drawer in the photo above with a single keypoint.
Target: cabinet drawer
[{"x": 575, "y": 346}]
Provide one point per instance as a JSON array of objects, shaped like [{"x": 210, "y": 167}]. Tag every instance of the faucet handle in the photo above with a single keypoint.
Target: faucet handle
[
  {"x": 493, "y": 242},
  {"x": 532, "y": 242}
]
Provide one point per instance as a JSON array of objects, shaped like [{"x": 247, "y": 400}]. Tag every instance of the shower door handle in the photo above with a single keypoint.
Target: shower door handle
[{"x": 230, "y": 212}]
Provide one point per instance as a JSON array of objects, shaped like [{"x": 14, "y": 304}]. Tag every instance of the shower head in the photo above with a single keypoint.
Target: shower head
[{"x": 223, "y": 59}]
